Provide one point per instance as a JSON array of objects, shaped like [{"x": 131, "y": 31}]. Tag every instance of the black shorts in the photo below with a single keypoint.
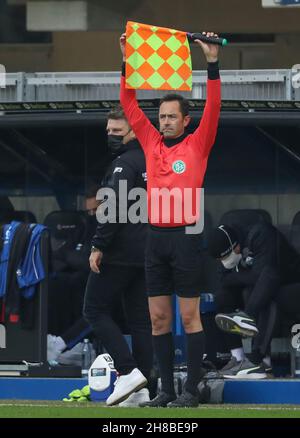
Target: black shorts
[{"x": 173, "y": 262}]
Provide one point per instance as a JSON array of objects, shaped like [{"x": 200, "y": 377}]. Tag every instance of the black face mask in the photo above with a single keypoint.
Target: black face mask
[{"x": 115, "y": 143}]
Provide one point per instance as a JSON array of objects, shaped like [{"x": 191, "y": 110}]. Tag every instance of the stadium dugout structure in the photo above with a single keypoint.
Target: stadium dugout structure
[{"x": 53, "y": 143}]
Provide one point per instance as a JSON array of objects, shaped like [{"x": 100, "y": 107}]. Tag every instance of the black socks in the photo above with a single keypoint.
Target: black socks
[
  {"x": 195, "y": 351},
  {"x": 164, "y": 351}
]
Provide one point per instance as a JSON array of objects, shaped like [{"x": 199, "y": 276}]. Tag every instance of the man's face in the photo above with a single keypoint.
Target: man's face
[
  {"x": 171, "y": 121},
  {"x": 91, "y": 205},
  {"x": 119, "y": 127}
]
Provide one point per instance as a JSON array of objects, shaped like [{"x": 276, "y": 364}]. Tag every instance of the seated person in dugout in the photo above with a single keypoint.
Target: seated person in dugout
[
  {"x": 70, "y": 270},
  {"x": 254, "y": 267}
]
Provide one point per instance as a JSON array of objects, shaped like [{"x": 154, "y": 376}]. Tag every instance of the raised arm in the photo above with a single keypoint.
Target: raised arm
[
  {"x": 205, "y": 134},
  {"x": 145, "y": 132}
]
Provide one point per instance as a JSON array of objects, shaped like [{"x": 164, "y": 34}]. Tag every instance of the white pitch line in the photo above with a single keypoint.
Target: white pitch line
[{"x": 255, "y": 408}]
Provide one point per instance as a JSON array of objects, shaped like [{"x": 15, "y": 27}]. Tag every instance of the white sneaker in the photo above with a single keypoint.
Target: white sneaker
[
  {"x": 55, "y": 345},
  {"x": 125, "y": 385},
  {"x": 71, "y": 357},
  {"x": 136, "y": 398}
]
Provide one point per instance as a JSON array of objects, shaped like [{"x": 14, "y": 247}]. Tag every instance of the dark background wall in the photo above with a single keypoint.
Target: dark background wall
[{"x": 270, "y": 37}]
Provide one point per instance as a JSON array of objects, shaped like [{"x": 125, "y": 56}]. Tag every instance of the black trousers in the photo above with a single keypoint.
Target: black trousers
[
  {"x": 76, "y": 333},
  {"x": 123, "y": 285},
  {"x": 256, "y": 297}
]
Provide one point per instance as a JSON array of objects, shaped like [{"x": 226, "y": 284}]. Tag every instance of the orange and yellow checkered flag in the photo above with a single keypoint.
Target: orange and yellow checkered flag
[{"x": 157, "y": 58}]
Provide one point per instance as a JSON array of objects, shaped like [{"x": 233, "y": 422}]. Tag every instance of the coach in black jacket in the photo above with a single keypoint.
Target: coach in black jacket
[
  {"x": 117, "y": 265},
  {"x": 123, "y": 243},
  {"x": 255, "y": 263}
]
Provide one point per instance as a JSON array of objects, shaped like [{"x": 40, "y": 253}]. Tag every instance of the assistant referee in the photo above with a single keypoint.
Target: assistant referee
[{"x": 176, "y": 162}]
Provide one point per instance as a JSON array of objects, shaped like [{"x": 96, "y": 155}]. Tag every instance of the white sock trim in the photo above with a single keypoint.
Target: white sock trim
[{"x": 238, "y": 353}]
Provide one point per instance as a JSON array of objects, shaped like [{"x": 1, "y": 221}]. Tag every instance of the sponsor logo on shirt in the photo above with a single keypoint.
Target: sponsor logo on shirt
[
  {"x": 179, "y": 166},
  {"x": 118, "y": 169},
  {"x": 144, "y": 175}
]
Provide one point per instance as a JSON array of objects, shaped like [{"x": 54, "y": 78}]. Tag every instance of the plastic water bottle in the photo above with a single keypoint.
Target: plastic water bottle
[
  {"x": 86, "y": 358},
  {"x": 295, "y": 365}
]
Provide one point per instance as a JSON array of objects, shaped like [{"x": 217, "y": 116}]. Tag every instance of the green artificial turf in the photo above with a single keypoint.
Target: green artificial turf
[{"x": 42, "y": 409}]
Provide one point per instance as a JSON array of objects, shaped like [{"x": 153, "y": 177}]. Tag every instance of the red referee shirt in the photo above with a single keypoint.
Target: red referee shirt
[{"x": 174, "y": 174}]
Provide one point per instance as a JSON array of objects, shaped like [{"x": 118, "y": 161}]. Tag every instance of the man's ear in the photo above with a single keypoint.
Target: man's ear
[{"x": 186, "y": 120}]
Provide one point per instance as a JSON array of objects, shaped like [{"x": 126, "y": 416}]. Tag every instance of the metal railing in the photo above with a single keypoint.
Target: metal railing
[{"x": 84, "y": 86}]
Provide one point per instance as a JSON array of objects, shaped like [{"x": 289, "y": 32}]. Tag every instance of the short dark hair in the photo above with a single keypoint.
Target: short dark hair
[
  {"x": 183, "y": 103},
  {"x": 117, "y": 113}
]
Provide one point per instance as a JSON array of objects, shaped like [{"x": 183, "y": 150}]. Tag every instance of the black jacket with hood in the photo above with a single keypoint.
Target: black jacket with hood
[{"x": 124, "y": 243}]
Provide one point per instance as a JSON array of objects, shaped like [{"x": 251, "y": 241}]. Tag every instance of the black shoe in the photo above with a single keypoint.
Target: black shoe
[
  {"x": 185, "y": 400},
  {"x": 238, "y": 323},
  {"x": 160, "y": 401}
]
